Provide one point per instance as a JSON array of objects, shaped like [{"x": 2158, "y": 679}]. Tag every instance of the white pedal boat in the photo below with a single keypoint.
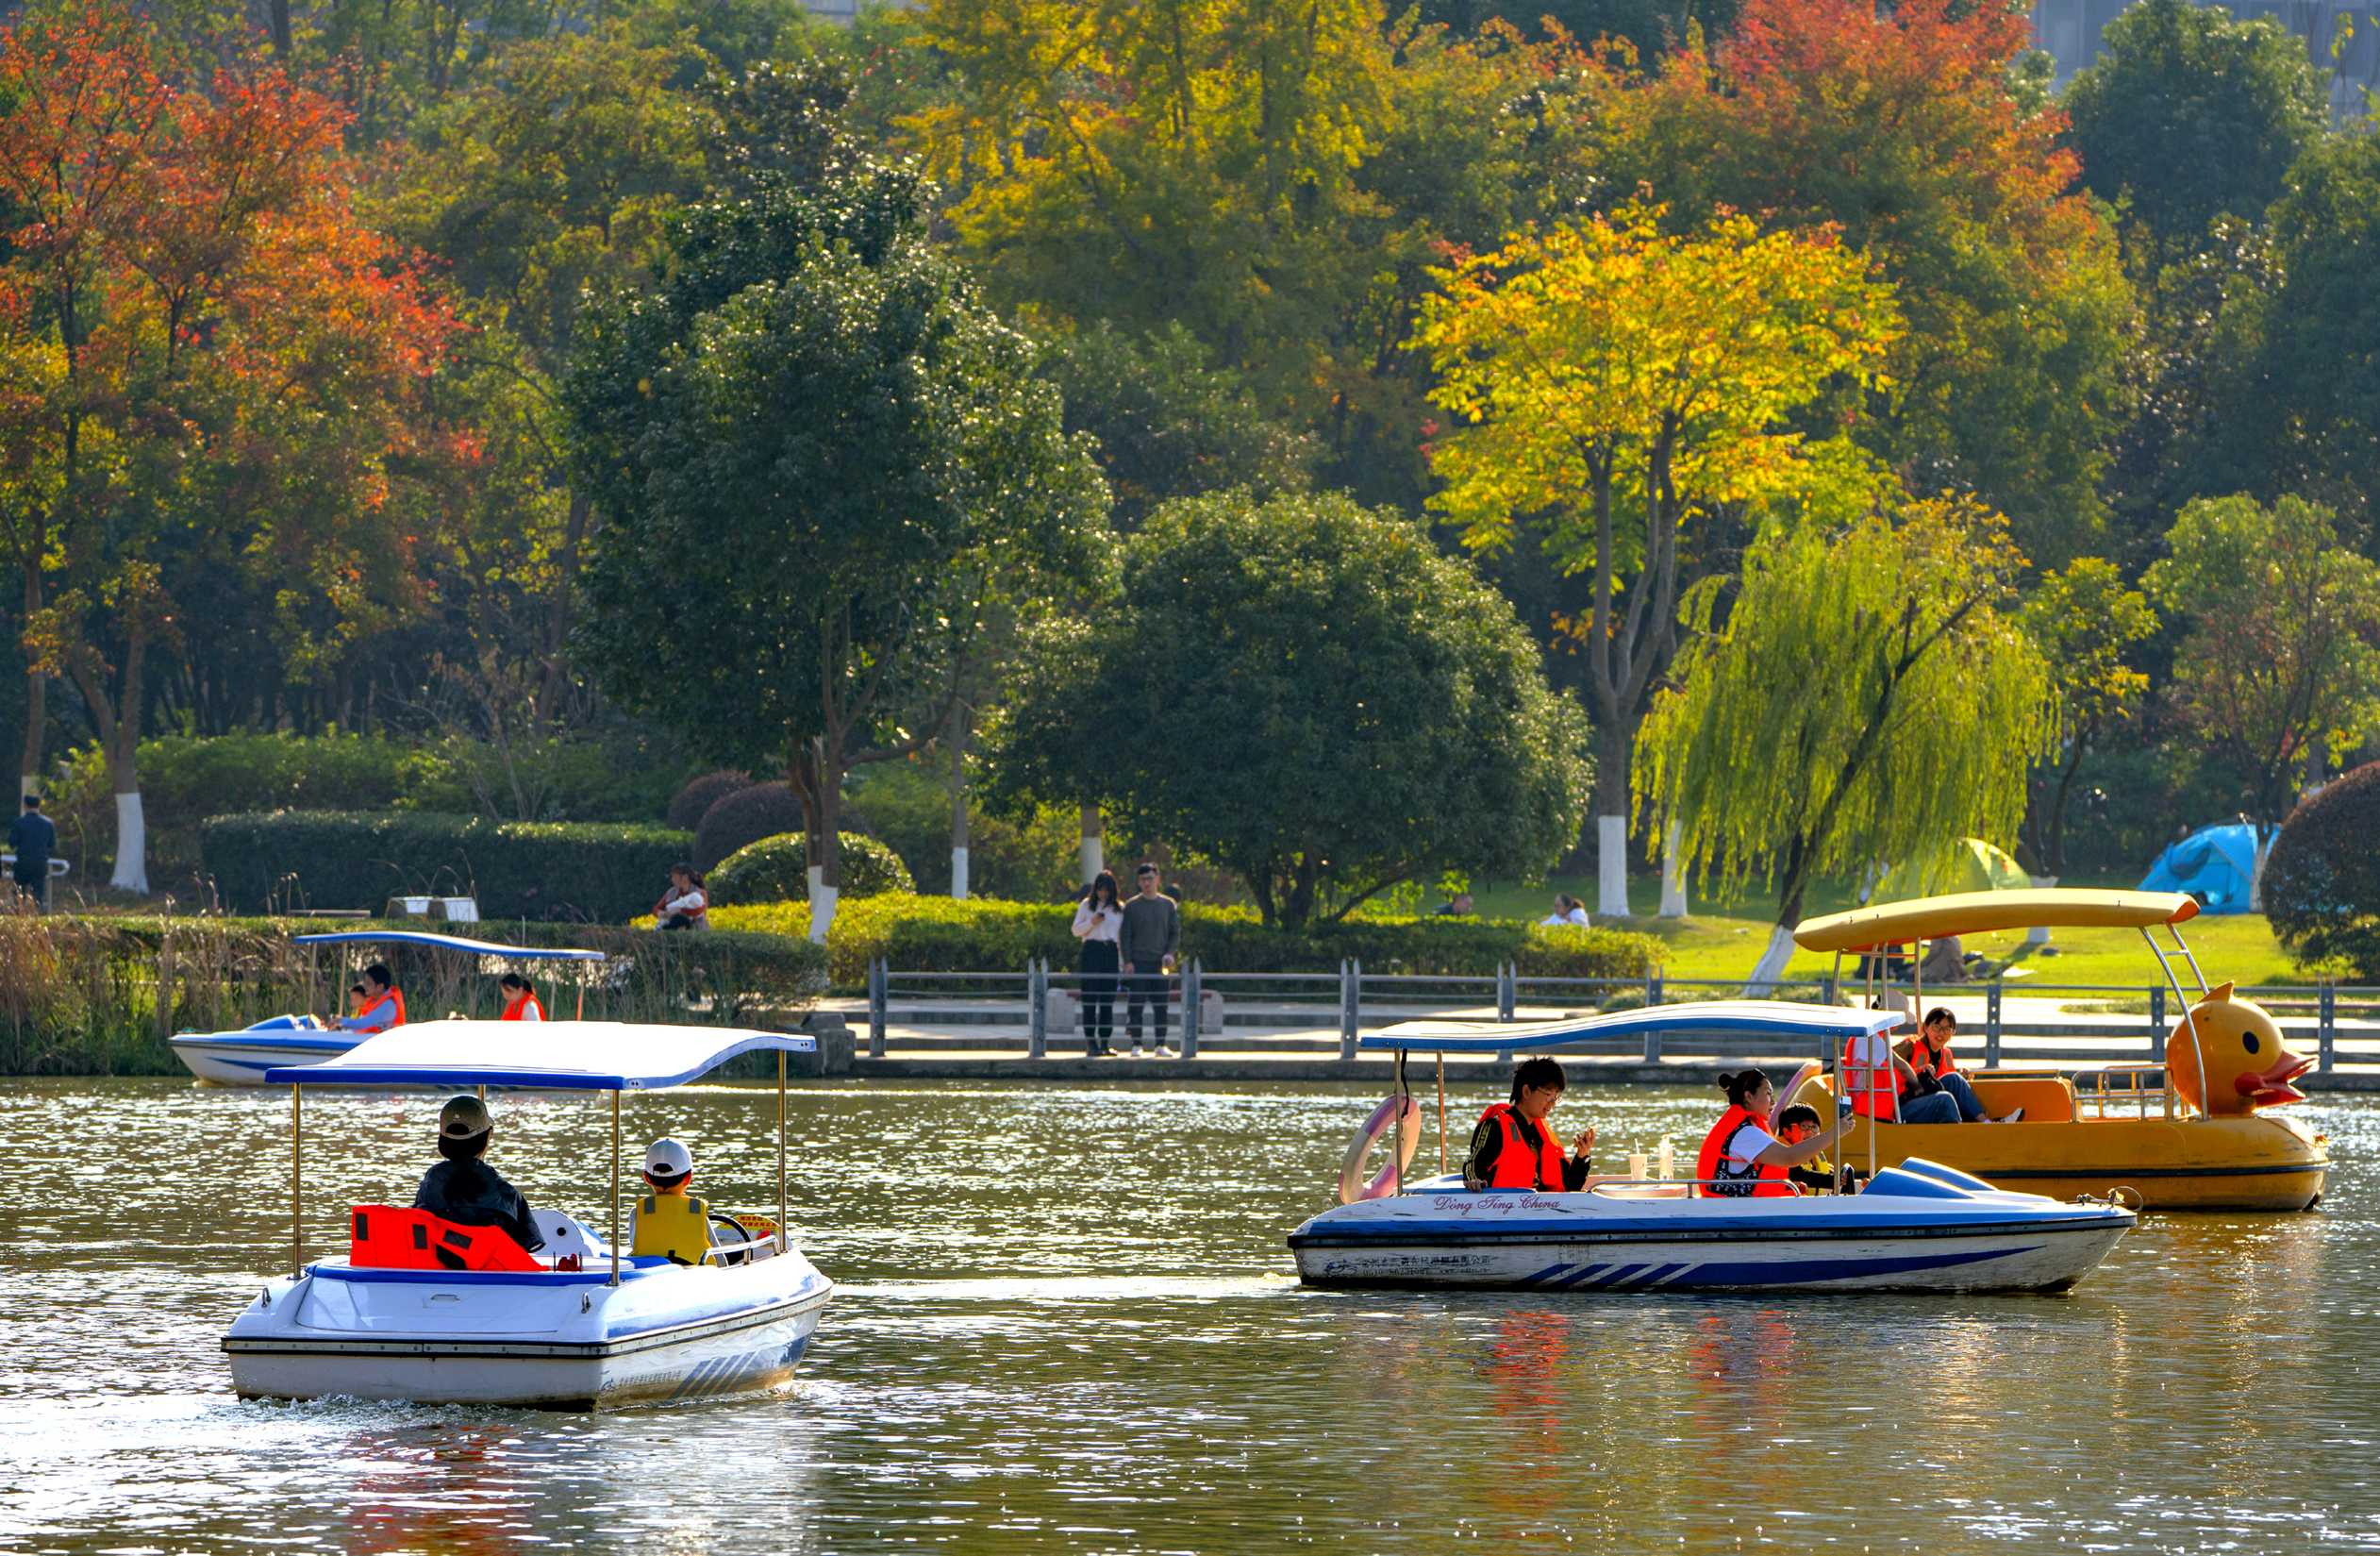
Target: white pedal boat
[
  {"x": 1919, "y": 1227},
  {"x": 242, "y": 1057},
  {"x": 614, "y": 1330}
]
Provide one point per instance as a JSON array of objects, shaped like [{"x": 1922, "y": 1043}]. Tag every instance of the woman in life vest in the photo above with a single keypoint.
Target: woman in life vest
[
  {"x": 519, "y": 1000},
  {"x": 1741, "y": 1157},
  {"x": 1934, "y": 1071},
  {"x": 1515, "y": 1148}
]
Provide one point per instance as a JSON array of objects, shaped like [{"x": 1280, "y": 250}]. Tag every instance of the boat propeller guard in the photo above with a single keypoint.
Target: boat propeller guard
[{"x": 1352, "y": 1186}]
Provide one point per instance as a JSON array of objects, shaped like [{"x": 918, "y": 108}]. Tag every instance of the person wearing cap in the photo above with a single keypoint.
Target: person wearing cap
[
  {"x": 669, "y": 1223},
  {"x": 463, "y": 1188}
]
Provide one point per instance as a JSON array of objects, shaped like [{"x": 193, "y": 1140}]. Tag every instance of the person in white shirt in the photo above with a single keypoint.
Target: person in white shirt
[
  {"x": 1567, "y": 910},
  {"x": 684, "y": 906},
  {"x": 1098, "y": 921}
]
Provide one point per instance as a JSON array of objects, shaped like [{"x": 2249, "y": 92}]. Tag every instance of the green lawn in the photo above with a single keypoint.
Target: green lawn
[{"x": 1725, "y": 941}]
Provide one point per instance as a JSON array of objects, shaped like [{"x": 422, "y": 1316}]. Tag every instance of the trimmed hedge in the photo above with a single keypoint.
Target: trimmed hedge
[
  {"x": 745, "y": 816},
  {"x": 80, "y": 996},
  {"x": 599, "y": 872},
  {"x": 686, "y": 807},
  {"x": 937, "y": 934},
  {"x": 777, "y": 869},
  {"x": 2321, "y": 882}
]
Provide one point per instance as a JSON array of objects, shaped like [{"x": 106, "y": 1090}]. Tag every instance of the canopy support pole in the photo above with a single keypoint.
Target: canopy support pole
[
  {"x": 297, "y": 1214},
  {"x": 1396, "y": 1129},
  {"x": 1442, "y": 1109},
  {"x": 615, "y": 1188},
  {"x": 783, "y": 1242}
]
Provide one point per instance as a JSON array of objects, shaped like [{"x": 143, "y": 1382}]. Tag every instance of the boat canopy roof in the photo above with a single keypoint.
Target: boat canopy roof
[
  {"x": 598, "y": 1056},
  {"x": 447, "y": 943},
  {"x": 1778, "y": 1018},
  {"x": 1980, "y": 913}
]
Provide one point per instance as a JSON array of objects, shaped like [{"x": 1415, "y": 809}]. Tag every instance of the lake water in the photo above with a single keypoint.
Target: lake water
[{"x": 1067, "y": 1321}]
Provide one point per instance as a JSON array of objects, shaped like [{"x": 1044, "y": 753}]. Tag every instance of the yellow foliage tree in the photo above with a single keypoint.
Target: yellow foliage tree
[{"x": 1609, "y": 380}]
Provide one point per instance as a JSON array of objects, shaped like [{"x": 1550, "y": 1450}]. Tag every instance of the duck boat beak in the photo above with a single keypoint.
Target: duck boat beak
[{"x": 2271, "y": 1087}]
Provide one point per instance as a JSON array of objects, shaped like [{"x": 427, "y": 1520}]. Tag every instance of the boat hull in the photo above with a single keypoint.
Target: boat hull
[
  {"x": 241, "y": 1058},
  {"x": 1511, "y": 1241},
  {"x": 2260, "y": 1161},
  {"x": 669, "y": 1336}
]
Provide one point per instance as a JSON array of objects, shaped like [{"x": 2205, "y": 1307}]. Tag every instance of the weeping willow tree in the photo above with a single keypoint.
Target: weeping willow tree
[{"x": 1869, "y": 694}]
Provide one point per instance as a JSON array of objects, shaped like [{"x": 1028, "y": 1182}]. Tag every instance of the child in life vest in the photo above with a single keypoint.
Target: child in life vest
[
  {"x": 1817, "y": 1176},
  {"x": 668, "y": 1222}
]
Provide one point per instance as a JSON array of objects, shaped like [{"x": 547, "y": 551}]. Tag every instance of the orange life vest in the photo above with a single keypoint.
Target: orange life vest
[
  {"x": 391, "y": 1001},
  {"x": 388, "y": 1238},
  {"x": 1766, "y": 1182},
  {"x": 1517, "y": 1165},
  {"x": 1945, "y": 1062},
  {"x": 1875, "y": 1089},
  {"x": 520, "y": 1002}
]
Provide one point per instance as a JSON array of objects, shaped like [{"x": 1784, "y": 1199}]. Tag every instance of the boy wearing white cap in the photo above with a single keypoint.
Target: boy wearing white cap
[{"x": 668, "y": 1222}]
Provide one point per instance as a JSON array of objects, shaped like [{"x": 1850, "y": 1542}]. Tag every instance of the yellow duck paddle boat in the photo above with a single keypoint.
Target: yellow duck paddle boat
[{"x": 2190, "y": 1133}]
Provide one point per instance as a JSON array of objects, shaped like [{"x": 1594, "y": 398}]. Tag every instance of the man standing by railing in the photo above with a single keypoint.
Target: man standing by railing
[
  {"x": 33, "y": 836},
  {"x": 1152, "y": 932}
]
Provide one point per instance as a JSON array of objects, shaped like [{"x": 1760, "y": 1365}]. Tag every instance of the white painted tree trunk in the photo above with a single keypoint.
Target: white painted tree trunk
[
  {"x": 822, "y": 909},
  {"x": 1095, "y": 851},
  {"x": 2255, "y": 879},
  {"x": 1772, "y": 962},
  {"x": 958, "y": 874},
  {"x": 2039, "y": 933},
  {"x": 1673, "y": 877},
  {"x": 28, "y": 784},
  {"x": 1611, "y": 866},
  {"x": 132, "y": 845}
]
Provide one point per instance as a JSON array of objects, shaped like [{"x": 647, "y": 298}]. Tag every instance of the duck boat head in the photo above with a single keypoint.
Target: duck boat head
[{"x": 2245, "y": 1065}]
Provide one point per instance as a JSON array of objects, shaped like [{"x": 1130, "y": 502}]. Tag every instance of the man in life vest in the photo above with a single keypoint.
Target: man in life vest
[
  {"x": 1514, "y": 1146},
  {"x": 465, "y": 1190},
  {"x": 669, "y": 1222},
  {"x": 519, "y": 1000},
  {"x": 1739, "y": 1157},
  {"x": 383, "y": 1002}
]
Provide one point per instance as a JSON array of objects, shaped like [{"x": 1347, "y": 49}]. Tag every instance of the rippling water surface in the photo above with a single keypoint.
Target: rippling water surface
[{"x": 1067, "y": 1321}]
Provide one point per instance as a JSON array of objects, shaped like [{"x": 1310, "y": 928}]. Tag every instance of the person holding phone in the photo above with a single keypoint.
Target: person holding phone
[{"x": 1099, "y": 924}]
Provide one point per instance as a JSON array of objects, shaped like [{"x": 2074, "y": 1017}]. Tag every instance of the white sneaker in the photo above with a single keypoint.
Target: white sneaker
[{"x": 2017, "y": 1117}]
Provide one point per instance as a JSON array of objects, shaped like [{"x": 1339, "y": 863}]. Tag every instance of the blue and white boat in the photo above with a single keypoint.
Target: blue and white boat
[
  {"x": 1918, "y": 1226},
  {"x": 242, "y": 1057},
  {"x": 588, "y": 1325}
]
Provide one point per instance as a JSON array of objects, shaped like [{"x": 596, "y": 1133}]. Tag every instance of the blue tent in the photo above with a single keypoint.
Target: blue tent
[{"x": 2215, "y": 864}]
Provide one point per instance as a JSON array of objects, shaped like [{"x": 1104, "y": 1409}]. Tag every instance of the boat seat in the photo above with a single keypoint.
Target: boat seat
[
  {"x": 390, "y": 1238},
  {"x": 2045, "y": 1098}
]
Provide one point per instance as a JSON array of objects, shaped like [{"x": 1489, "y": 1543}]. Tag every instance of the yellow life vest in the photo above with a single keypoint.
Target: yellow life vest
[{"x": 674, "y": 1225}]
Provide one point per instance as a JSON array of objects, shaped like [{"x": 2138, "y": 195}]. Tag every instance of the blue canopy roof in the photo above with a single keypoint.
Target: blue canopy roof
[
  {"x": 1801, "y": 1025},
  {"x": 446, "y": 943},
  {"x": 598, "y": 1056}
]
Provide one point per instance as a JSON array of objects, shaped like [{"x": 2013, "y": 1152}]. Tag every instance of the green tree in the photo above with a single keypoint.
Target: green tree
[
  {"x": 2190, "y": 114},
  {"x": 1312, "y": 695},
  {"x": 1624, "y": 380},
  {"x": 2280, "y": 649},
  {"x": 1868, "y": 695},
  {"x": 2087, "y": 624},
  {"x": 811, "y": 447}
]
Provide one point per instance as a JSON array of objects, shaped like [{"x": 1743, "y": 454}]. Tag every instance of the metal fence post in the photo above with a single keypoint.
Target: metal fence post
[
  {"x": 1652, "y": 982},
  {"x": 1192, "y": 998},
  {"x": 1507, "y": 990},
  {"x": 1346, "y": 1009},
  {"x": 1834, "y": 988},
  {"x": 1653, "y": 1045},
  {"x": 1037, "y": 1008},
  {"x": 2156, "y": 1011},
  {"x": 879, "y": 976},
  {"x": 1991, "y": 1026},
  {"x": 2327, "y": 1027}
]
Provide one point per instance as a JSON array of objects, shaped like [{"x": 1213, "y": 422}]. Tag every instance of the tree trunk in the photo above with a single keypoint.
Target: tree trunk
[
  {"x": 281, "y": 41},
  {"x": 959, "y": 801},
  {"x": 1094, "y": 848},
  {"x": 36, "y": 697},
  {"x": 1772, "y": 962},
  {"x": 132, "y": 834},
  {"x": 826, "y": 878},
  {"x": 1673, "y": 876},
  {"x": 1611, "y": 822}
]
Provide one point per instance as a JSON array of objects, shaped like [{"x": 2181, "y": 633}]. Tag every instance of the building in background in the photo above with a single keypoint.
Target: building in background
[{"x": 2069, "y": 29}]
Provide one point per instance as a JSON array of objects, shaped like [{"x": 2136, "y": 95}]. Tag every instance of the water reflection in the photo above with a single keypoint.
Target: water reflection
[{"x": 1033, "y": 1350}]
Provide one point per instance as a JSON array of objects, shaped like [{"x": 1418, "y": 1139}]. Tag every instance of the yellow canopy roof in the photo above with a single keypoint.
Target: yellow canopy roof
[{"x": 1980, "y": 913}]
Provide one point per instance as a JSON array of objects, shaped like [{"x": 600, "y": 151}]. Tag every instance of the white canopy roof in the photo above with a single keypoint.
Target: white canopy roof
[
  {"x": 1777, "y": 1018},
  {"x": 604, "y": 1056}
]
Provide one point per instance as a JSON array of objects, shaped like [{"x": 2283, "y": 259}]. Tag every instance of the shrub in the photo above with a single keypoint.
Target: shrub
[
  {"x": 699, "y": 794},
  {"x": 777, "y": 869},
  {"x": 747, "y": 815},
  {"x": 2321, "y": 882},
  {"x": 907, "y": 805},
  {"x": 600, "y": 871},
  {"x": 937, "y": 934}
]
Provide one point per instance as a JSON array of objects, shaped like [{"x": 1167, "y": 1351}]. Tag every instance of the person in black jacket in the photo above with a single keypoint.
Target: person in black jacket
[{"x": 464, "y": 1189}]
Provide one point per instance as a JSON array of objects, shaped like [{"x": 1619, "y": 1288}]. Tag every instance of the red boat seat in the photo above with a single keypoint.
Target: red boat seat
[{"x": 390, "y": 1238}]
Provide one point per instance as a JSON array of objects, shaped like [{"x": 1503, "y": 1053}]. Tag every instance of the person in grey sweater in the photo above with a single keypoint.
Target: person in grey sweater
[{"x": 1151, "y": 933}]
